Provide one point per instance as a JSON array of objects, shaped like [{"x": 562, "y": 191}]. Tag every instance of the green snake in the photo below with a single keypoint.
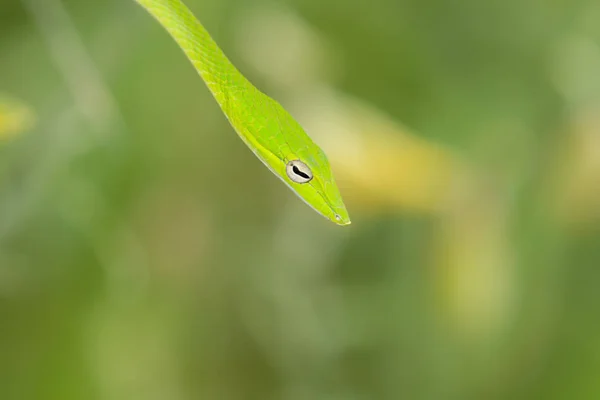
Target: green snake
[{"x": 262, "y": 123}]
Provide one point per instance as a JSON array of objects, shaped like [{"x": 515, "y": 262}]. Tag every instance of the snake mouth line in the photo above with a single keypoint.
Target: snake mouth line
[{"x": 338, "y": 218}]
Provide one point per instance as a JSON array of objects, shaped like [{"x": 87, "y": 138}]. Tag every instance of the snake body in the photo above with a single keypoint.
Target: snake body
[{"x": 272, "y": 134}]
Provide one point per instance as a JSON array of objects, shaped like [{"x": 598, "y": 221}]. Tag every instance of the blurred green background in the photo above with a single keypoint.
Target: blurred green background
[{"x": 145, "y": 253}]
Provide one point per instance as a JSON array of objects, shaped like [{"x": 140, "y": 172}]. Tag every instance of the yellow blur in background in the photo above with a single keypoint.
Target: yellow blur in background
[
  {"x": 146, "y": 254},
  {"x": 15, "y": 118}
]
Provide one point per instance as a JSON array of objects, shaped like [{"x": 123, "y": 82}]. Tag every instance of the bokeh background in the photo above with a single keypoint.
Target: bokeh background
[{"x": 145, "y": 253}]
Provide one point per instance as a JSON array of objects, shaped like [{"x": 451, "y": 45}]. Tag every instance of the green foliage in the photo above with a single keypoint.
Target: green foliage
[{"x": 145, "y": 253}]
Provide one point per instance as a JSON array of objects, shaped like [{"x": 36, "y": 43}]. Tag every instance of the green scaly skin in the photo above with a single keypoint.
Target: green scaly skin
[{"x": 262, "y": 123}]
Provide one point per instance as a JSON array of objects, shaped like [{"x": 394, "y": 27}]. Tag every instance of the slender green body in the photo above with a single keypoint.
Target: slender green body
[{"x": 269, "y": 131}]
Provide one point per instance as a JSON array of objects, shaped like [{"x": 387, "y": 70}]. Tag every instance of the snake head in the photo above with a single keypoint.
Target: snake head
[{"x": 310, "y": 177}]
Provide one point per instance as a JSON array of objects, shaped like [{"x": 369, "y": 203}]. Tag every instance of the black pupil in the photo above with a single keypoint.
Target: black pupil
[{"x": 300, "y": 173}]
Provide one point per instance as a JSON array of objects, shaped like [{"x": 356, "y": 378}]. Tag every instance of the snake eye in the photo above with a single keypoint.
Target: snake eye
[{"x": 298, "y": 172}]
